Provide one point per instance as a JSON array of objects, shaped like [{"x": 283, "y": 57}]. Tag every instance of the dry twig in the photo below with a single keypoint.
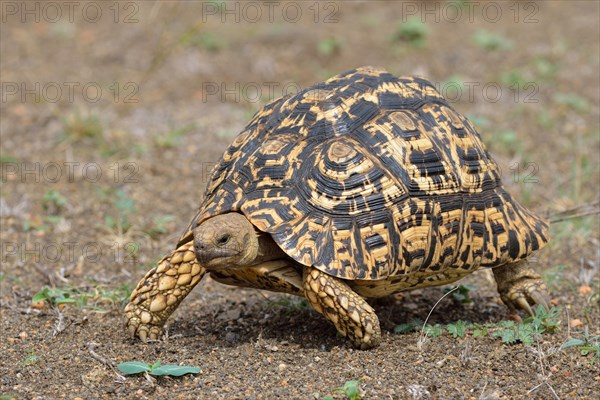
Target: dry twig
[
  {"x": 92, "y": 350},
  {"x": 60, "y": 325},
  {"x": 581, "y": 210}
]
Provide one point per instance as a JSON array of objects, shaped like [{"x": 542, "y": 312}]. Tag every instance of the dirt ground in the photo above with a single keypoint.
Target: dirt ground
[{"x": 113, "y": 113}]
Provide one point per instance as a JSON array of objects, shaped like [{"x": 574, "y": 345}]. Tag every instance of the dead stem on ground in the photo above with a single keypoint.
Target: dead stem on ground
[{"x": 542, "y": 376}]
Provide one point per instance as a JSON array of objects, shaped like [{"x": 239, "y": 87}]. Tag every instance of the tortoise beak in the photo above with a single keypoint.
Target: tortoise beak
[{"x": 205, "y": 253}]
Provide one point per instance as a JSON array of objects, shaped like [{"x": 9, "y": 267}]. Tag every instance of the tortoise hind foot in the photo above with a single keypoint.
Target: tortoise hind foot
[
  {"x": 520, "y": 287},
  {"x": 351, "y": 314},
  {"x": 159, "y": 293}
]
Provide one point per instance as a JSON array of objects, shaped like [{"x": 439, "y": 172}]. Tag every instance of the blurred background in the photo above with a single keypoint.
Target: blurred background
[{"x": 113, "y": 114}]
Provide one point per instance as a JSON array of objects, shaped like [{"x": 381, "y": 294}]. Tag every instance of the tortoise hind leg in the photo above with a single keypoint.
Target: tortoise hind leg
[
  {"x": 335, "y": 300},
  {"x": 159, "y": 293},
  {"x": 521, "y": 287}
]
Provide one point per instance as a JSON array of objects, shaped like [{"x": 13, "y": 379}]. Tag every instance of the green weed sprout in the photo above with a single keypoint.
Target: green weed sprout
[{"x": 156, "y": 369}]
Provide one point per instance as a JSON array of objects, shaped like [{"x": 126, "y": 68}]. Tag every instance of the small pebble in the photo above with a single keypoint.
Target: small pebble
[
  {"x": 39, "y": 305},
  {"x": 23, "y": 335},
  {"x": 575, "y": 323},
  {"x": 232, "y": 337},
  {"x": 584, "y": 290}
]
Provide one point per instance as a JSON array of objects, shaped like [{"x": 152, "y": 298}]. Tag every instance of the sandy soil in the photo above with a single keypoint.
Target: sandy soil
[{"x": 119, "y": 116}]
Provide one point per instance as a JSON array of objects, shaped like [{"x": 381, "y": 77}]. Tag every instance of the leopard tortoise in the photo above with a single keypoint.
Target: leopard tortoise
[{"x": 357, "y": 187}]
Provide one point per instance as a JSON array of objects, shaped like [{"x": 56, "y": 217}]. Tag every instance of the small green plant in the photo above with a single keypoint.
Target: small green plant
[
  {"x": 63, "y": 30},
  {"x": 416, "y": 325},
  {"x": 204, "y": 40},
  {"x": 116, "y": 296},
  {"x": 491, "y": 41},
  {"x": 457, "y": 329},
  {"x": 461, "y": 294},
  {"x": 351, "y": 390},
  {"x": 509, "y": 332},
  {"x": 545, "y": 68},
  {"x": 480, "y": 331},
  {"x": 78, "y": 126},
  {"x": 92, "y": 299},
  {"x": 53, "y": 202},
  {"x": 480, "y": 121},
  {"x": 544, "y": 119},
  {"x": 6, "y": 159},
  {"x": 413, "y": 31},
  {"x": 586, "y": 345},
  {"x": 513, "y": 79},
  {"x": 58, "y": 296},
  {"x": 289, "y": 304},
  {"x": 433, "y": 330},
  {"x": 31, "y": 358},
  {"x": 156, "y": 369},
  {"x": 408, "y": 327},
  {"x": 40, "y": 223},
  {"x": 159, "y": 225},
  {"x": 508, "y": 141},
  {"x": 330, "y": 46},
  {"x": 8, "y": 397},
  {"x": 172, "y": 138},
  {"x": 126, "y": 207},
  {"x": 543, "y": 321},
  {"x": 574, "y": 101},
  {"x": 453, "y": 88}
]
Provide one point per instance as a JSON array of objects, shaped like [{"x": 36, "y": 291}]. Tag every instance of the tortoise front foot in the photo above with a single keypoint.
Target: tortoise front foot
[
  {"x": 138, "y": 324},
  {"x": 520, "y": 287},
  {"x": 159, "y": 293},
  {"x": 351, "y": 314}
]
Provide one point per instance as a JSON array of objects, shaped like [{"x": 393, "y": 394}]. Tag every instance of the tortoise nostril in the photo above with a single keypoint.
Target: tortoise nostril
[{"x": 200, "y": 247}]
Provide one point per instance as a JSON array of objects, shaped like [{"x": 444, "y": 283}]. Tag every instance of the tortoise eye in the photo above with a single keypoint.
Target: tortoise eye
[{"x": 223, "y": 239}]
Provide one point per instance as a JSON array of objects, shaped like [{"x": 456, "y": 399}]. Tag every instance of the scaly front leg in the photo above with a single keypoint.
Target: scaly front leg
[
  {"x": 160, "y": 292},
  {"x": 351, "y": 314}
]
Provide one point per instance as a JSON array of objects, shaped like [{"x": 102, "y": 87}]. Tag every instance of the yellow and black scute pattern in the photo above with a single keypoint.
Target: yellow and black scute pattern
[{"x": 369, "y": 176}]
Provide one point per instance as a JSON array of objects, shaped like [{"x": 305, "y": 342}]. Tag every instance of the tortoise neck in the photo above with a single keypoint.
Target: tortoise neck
[{"x": 267, "y": 249}]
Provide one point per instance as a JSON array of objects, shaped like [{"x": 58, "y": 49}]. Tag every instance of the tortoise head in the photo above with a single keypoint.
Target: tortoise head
[{"x": 225, "y": 241}]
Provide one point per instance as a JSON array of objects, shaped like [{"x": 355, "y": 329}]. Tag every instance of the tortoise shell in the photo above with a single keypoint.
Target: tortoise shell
[{"x": 367, "y": 176}]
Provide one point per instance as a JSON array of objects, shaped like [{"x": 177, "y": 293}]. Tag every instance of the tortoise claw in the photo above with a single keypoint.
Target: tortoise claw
[
  {"x": 541, "y": 298},
  {"x": 524, "y": 305},
  {"x": 135, "y": 326},
  {"x": 143, "y": 335},
  {"x": 154, "y": 334},
  {"x": 521, "y": 288},
  {"x": 146, "y": 333},
  {"x": 132, "y": 329},
  {"x": 525, "y": 294}
]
